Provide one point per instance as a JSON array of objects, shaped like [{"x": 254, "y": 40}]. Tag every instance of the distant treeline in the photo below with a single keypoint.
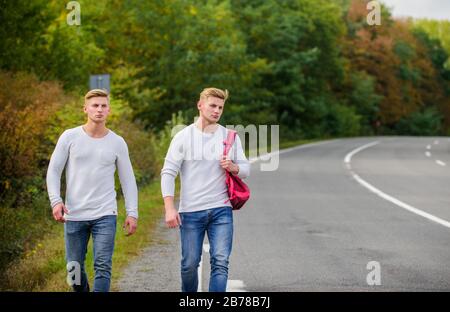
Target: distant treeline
[{"x": 313, "y": 66}]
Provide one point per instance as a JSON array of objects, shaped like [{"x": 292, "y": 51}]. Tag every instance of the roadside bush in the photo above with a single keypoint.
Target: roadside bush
[
  {"x": 26, "y": 105},
  {"x": 425, "y": 123},
  {"x": 25, "y": 108},
  {"x": 343, "y": 121}
]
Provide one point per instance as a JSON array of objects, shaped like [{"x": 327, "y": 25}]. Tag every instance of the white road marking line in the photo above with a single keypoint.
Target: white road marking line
[
  {"x": 236, "y": 286},
  {"x": 428, "y": 146},
  {"x": 349, "y": 156},
  {"x": 232, "y": 285},
  {"x": 389, "y": 197},
  {"x": 428, "y": 153},
  {"x": 400, "y": 203},
  {"x": 436, "y": 142},
  {"x": 441, "y": 163},
  {"x": 200, "y": 269}
]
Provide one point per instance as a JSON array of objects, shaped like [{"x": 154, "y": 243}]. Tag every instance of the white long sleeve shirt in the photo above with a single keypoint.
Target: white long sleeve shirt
[
  {"x": 90, "y": 166},
  {"x": 196, "y": 156}
]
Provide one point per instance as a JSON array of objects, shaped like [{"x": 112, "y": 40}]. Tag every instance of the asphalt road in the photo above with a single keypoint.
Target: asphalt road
[
  {"x": 310, "y": 226},
  {"x": 317, "y": 222}
]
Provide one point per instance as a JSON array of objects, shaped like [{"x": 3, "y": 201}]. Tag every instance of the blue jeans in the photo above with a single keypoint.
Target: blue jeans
[
  {"x": 76, "y": 235},
  {"x": 218, "y": 224}
]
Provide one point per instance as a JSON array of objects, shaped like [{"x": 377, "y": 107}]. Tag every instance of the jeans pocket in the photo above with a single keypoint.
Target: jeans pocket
[
  {"x": 72, "y": 227},
  {"x": 226, "y": 215}
]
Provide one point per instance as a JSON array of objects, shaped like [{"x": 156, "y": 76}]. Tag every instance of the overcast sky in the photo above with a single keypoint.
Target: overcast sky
[{"x": 437, "y": 9}]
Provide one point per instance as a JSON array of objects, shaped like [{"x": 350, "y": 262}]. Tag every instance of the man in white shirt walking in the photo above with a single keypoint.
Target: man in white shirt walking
[
  {"x": 90, "y": 154},
  {"x": 197, "y": 153}
]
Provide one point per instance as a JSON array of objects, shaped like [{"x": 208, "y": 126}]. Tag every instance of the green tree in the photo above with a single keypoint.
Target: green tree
[
  {"x": 437, "y": 30},
  {"x": 23, "y": 25},
  {"x": 183, "y": 47},
  {"x": 299, "y": 41}
]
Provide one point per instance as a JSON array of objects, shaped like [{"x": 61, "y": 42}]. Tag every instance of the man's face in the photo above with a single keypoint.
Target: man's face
[
  {"x": 97, "y": 109},
  {"x": 211, "y": 108}
]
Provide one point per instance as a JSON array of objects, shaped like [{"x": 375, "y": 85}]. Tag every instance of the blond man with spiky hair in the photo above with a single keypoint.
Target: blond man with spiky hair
[
  {"x": 90, "y": 154},
  {"x": 196, "y": 152}
]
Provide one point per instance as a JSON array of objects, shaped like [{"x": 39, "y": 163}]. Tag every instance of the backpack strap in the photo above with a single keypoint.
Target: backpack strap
[{"x": 228, "y": 143}]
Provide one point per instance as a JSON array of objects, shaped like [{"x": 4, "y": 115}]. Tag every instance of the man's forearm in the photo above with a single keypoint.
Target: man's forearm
[
  {"x": 169, "y": 203},
  {"x": 53, "y": 180}
]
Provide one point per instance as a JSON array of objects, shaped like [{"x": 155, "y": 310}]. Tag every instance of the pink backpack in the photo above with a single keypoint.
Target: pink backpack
[{"x": 238, "y": 191}]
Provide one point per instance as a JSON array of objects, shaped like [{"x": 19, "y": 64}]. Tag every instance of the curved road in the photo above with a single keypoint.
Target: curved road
[{"x": 312, "y": 226}]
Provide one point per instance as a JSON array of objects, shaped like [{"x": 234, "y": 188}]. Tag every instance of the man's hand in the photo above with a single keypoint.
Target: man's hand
[
  {"x": 228, "y": 165},
  {"x": 130, "y": 225},
  {"x": 58, "y": 212},
  {"x": 172, "y": 218}
]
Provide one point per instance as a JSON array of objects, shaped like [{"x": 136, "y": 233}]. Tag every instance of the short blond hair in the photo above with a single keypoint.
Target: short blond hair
[
  {"x": 95, "y": 93},
  {"x": 214, "y": 92}
]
